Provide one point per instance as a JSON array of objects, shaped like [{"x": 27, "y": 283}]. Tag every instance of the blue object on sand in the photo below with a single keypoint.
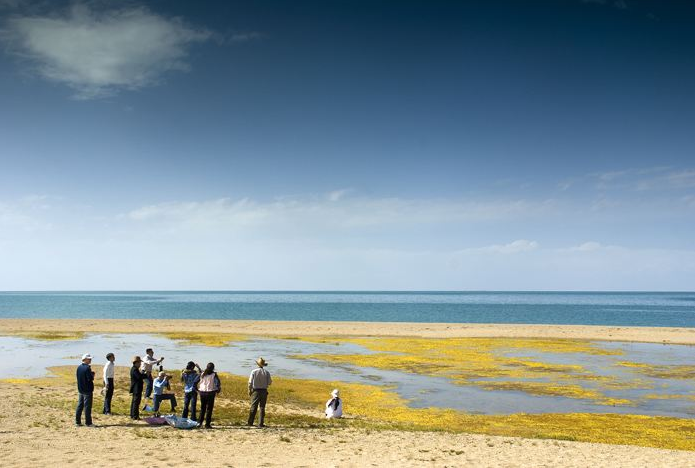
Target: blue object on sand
[
  {"x": 179, "y": 422},
  {"x": 148, "y": 408}
]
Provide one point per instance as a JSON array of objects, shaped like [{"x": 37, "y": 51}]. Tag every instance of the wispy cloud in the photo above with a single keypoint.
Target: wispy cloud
[
  {"x": 329, "y": 213},
  {"x": 517, "y": 246},
  {"x": 99, "y": 53}
]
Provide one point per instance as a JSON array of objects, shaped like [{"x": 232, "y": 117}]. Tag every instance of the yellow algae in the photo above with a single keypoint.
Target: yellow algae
[
  {"x": 50, "y": 336},
  {"x": 660, "y": 396},
  {"x": 206, "y": 339},
  {"x": 662, "y": 371},
  {"x": 466, "y": 361}
]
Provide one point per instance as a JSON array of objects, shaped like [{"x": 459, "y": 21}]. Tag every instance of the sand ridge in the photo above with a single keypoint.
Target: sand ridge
[{"x": 295, "y": 328}]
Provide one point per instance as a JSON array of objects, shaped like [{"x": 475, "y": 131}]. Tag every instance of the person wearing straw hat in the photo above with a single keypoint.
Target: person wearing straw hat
[
  {"x": 259, "y": 381},
  {"x": 85, "y": 388},
  {"x": 334, "y": 406},
  {"x": 137, "y": 379}
]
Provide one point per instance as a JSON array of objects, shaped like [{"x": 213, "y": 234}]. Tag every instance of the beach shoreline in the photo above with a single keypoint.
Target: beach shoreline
[{"x": 666, "y": 335}]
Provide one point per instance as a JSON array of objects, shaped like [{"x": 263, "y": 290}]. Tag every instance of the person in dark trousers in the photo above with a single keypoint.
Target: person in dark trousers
[
  {"x": 85, "y": 387},
  {"x": 259, "y": 381},
  {"x": 137, "y": 379},
  {"x": 161, "y": 383},
  {"x": 108, "y": 382},
  {"x": 208, "y": 386},
  {"x": 146, "y": 368},
  {"x": 190, "y": 377}
]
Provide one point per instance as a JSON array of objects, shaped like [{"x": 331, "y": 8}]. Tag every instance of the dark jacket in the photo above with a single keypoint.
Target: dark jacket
[
  {"x": 85, "y": 379},
  {"x": 136, "y": 380}
]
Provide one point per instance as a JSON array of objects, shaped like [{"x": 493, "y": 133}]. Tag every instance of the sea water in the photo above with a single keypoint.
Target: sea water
[{"x": 661, "y": 309}]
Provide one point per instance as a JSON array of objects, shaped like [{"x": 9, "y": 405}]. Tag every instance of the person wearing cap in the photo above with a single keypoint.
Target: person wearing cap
[
  {"x": 334, "y": 406},
  {"x": 146, "y": 368},
  {"x": 259, "y": 381},
  {"x": 108, "y": 382},
  {"x": 137, "y": 379},
  {"x": 190, "y": 377},
  {"x": 161, "y": 383},
  {"x": 85, "y": 388},
  {"x": 209, "y": 385}
]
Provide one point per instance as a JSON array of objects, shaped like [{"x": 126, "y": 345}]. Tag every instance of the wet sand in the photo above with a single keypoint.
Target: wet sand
[{"x": 290, "y": 328}]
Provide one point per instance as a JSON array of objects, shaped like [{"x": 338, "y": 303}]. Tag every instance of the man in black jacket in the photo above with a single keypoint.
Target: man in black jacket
[
  {"x": 136, "y": 383},
  {"x": 85, "y": 387}
]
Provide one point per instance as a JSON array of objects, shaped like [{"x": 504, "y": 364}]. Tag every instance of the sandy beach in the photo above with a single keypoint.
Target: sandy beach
[
  {"x": 45, "y": 434},
  {"x": 297, "y": 328}
]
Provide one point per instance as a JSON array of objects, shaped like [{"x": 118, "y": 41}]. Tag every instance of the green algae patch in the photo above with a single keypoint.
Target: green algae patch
[
  {"x": 205, "y": 339},
  {"x": 50, "y": 336}
]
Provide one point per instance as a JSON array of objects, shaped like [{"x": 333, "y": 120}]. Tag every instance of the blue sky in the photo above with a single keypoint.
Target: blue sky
[{"x": 347, "y": 145}]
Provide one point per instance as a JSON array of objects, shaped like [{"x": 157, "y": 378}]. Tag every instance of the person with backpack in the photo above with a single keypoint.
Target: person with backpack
[
  {"x": 259, "y": 381},
  {"x": 209, "y": 385},
  {"x": 334, "y": 406},
  {"x": 190, "y": 377}
]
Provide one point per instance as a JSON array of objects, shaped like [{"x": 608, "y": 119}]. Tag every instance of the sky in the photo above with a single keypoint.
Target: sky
[{"x": 347, "y": 145}]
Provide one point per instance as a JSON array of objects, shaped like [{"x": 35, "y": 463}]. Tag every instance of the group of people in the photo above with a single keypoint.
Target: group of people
[{"x": 198, "y": 384}]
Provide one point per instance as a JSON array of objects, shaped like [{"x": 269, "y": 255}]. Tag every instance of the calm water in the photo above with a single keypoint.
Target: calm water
[{"x": 674, "y": 309}]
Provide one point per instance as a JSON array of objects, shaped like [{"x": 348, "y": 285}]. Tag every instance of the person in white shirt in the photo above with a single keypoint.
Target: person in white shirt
[
  {"x": 334, "y": 406},
  {"x": 109, "y": 368},
  {"x": 259, "y": 381},
  {"x": 146, "y": 368}
]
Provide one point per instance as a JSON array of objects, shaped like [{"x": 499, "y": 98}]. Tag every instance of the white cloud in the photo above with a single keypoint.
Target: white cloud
[
  {"x": 520, "y": 245},
  {"x": 100, "y": 53},
  {"x": 328, "y": 213}
]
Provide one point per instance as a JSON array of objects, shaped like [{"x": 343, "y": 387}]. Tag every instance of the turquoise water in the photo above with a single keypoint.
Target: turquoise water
[{"x": 669, "y": 309}]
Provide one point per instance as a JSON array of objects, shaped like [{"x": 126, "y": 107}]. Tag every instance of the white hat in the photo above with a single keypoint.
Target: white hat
[
  {"x": 86, "y": 356},
  {"x": 335, "y": 393}
]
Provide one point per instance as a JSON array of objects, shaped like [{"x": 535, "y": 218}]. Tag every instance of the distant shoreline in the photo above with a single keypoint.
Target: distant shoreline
[{"x": 666, "y": 335}]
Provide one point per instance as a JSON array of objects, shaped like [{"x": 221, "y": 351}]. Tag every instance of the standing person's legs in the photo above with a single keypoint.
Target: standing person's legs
[
  {"x": 78, "y": 410},
  {"x": 108, "y": 396},
  {"x": 88, "y": 408},
  {"x": 208, "y": 410},
  {"x": 263, "y": 399},
  {"x": 150, "y": 384},
  {"x": 135, "y": 405},
  {"x": 255, "y": 400},
  {"x": 203, "y": 407},
  {"x": 186, "y": 402},
  {"x": 190, "y": 400}
]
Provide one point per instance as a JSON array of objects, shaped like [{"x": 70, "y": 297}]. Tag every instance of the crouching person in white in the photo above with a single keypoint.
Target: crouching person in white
[{"x": 334, "y": 406}]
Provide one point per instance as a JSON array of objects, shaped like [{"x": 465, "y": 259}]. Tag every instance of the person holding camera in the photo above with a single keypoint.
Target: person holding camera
[
  {"x": 146, "y": 367},
  {"x": 161, "y": 383},
  {"x": 137, "y": 379},
  {"x": 190, "y": 377}
]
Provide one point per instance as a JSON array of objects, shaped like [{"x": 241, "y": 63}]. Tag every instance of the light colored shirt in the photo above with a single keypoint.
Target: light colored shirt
[
  {"x": 209, "y": 383},
  {"x": 147, "y": 363},
  {"x": 259, "y": 378},
  {"x": 160, "y": 385},
  {"x": 108, "y": 371},
  {"x": 332, "y": 411}
]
